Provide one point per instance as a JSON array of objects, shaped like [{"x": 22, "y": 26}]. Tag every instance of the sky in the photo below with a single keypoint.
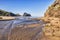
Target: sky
[{"x": 33, "y": 7}]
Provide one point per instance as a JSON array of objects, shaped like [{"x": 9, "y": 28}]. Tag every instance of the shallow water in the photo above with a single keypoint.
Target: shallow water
[{"x": 6, "y": 26}]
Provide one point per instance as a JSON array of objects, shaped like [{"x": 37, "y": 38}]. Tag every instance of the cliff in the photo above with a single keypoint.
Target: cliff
[
  {"x": 53, "y": 10},
  {"x": 52, "y": 18}
]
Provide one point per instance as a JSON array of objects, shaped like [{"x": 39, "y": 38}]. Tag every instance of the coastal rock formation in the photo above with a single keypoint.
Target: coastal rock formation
[
  {"x": 52, "y": 19},
  {"x": 26, "y": 14},
  {"x": 53, "y": 10},
  {"x": 52, "y": 29}
]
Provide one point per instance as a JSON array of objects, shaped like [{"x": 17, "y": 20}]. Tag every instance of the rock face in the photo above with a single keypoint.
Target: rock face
[
  {"x": 52, "y": 19},
  {"x": 52, "y": 29},
  {"x": 53, "y": 10}
]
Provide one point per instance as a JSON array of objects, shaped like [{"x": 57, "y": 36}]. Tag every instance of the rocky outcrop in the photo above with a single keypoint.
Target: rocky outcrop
[
  {"x": 26, "y": 14},
  {"x": 52, "y": 29},
  {"x": 52, "y": 19},
  {"x": 53, "y": 10}
]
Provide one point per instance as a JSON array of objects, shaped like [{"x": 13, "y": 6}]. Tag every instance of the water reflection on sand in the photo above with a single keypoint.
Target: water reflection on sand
[{"x": 6, "y": 26}]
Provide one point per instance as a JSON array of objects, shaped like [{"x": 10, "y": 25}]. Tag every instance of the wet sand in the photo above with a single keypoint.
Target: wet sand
[{"x": 13, "y": 30}]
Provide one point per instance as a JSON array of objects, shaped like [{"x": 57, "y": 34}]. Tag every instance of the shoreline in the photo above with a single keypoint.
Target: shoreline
[{"x": 5, "y": 18}]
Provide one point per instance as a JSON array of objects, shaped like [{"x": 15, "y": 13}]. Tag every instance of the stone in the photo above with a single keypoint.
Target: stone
[{"x": 56, "y": 33}]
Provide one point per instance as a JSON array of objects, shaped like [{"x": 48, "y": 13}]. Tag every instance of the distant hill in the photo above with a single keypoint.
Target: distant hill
[{"x": 5, "y": 13}]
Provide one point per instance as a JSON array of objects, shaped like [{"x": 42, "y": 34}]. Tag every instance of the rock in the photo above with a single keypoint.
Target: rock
[
  {"x": 48, "y": 31},
  {"x": 53, "y": 10},
  {"x": 52, "y": 19},
  {"x": 57, "y": 33},
  {"x": 26, "y": 14},
  {"x": 55, "y": 22}
]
